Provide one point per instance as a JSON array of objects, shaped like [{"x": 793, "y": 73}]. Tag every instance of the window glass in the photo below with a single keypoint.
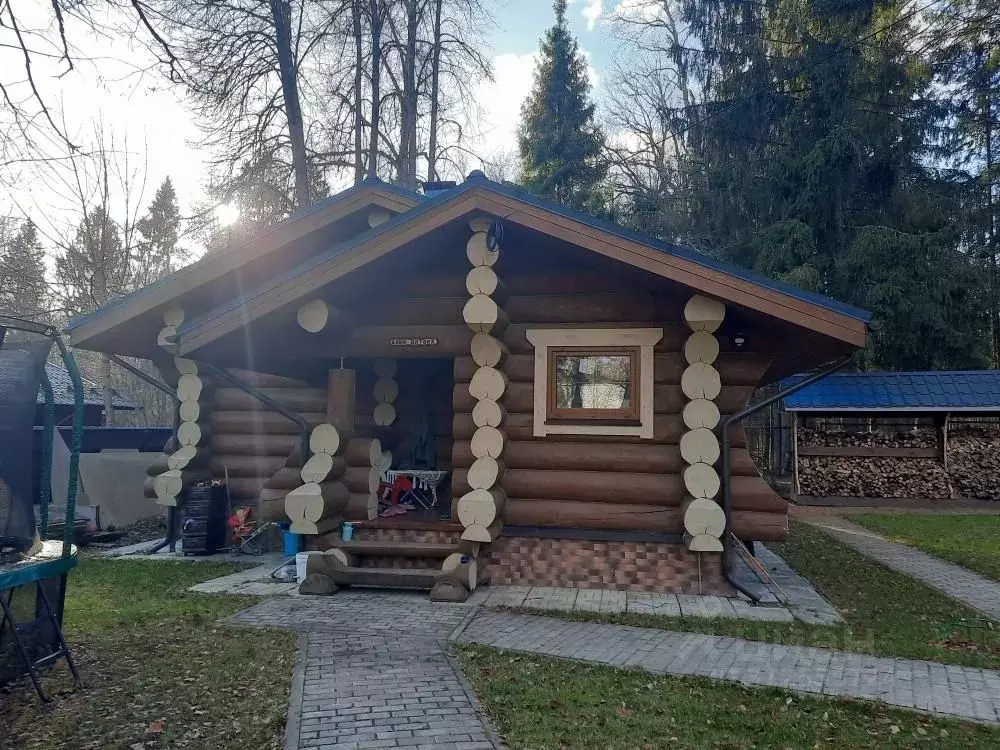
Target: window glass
[{"x": 600, "y": 382}]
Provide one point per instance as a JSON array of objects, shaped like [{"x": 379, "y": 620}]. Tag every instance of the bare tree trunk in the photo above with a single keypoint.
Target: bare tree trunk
[
  {"x": 435, "y": 93},
  {"x": 359, "y": 120},
  {"x": 375, "y": 9},
  {"x": 281, "y": 12},
  {"x": 407, "y": 156},
  {"x": 109, "y": 394}
]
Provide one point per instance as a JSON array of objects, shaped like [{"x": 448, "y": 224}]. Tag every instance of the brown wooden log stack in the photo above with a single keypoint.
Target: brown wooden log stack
[
  {"x": 974, "y": 461},
  {"x": 835, "y": 476},
  {"x": 901, "y": 477}
]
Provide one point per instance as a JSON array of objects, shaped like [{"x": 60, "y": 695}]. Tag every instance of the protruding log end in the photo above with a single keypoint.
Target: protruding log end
[
  {"x": 704, "y": 314},
  {"x": 313, "y": 315}
]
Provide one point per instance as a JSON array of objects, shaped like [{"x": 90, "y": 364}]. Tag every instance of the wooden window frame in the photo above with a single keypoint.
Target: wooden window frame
[
  {"x": 591, "y": 341},
  {"x": 628, "y": 415}
]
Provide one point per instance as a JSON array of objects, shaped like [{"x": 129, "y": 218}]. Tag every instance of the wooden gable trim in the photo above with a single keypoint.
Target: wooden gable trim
[
  {"x": 689, "y": 273},
  {"x": 213, "y": 267},
  {"x": 694, "y": 275},
  {"x": 293, "y": 289}
]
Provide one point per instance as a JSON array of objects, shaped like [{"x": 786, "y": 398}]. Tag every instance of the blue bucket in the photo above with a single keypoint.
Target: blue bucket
[{"x": 293, "y": 543}]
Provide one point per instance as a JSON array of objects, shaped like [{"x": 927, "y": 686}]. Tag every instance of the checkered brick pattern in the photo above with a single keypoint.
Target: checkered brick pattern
[
  {"x": 425, "y": 536},
  {"x": 628, "y": 566}
]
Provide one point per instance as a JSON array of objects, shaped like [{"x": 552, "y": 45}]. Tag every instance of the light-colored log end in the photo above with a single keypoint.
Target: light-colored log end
[{"x": 313, "y": 315}]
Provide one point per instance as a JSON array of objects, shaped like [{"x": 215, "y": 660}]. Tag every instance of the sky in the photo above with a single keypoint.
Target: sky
[{"x": 145, "y": 112}]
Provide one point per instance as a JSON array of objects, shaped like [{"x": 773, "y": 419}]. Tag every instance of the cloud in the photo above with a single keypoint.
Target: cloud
[
  {"x": 592, "y": 11},
  {"x": 501, "y": 98},
  {"x": 637, "y": 10}
]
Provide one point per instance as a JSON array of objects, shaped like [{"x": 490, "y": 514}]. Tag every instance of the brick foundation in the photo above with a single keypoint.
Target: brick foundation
[{"x": 628, "y": 566}]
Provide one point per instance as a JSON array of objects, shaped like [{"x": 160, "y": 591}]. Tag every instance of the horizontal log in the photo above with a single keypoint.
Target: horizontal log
[
  {"x": 286, "y": 478},
  {"x": 293, "y": 399},
  {"x": 644, "y": 458},
  {"x": 360, "y": 507},
  {"x": 245, "y": 488},
  {"x": 416, "y": 311},
  {"x": 749, "y": 493},
  {"x": 254, "y": 445},
  {"x": 760, "y": 527},
  {"x": 271, "y": 509},
  {"x": 580, "y": 308},
  {"x": 570, "y": 514},
  {"x": 667, "y": 428},
  {"x": 594, "y": 486},
  {"x": 266, "y": 380},
  {"x": 260, "y": 421},
  {"x": 245, "y": 466},
  {"x": 363, "y": 452},
  {"x": 404, "y": 341},
  {"x": 734, "y": 368},
  {"x": 869, "y": 451},
  {"x": 667, "y": 399},
  {"x": 359, "y": 479}
]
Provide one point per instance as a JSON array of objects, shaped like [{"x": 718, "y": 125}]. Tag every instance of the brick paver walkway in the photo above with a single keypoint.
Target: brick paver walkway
[
  {"x": 961, "y": 692},
  {"x": 373, "y": 672},
  {"x": 951, "y": 580}
]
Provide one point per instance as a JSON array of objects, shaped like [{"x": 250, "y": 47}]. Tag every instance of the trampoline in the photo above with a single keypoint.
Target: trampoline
[{"x": 33, "y": 569}]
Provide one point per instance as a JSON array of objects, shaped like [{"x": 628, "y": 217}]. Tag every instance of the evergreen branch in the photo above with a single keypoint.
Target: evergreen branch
[{"x": 772, "y": 87}]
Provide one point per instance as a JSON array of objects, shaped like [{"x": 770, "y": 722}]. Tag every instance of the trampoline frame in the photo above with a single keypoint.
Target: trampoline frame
[{"x": 47, "y": 568}]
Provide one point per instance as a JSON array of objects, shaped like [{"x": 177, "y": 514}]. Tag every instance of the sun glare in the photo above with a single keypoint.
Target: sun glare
[{"x": 227, "y": 213}]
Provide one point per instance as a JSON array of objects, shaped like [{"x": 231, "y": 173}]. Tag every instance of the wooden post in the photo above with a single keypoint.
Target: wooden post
[
  {"x": 340, "y": 397},
  {"x": 795, "y": 454},
  {"x": 943, "y": 439}
]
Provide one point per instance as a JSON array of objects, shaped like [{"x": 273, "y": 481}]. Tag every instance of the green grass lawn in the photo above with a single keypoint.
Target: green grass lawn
[
  {"x": 539, "y": 703},
  {"x": 158, "y": 671},
  {"x": 972, "y": 541},
  {"x": 886, "y": 613}
]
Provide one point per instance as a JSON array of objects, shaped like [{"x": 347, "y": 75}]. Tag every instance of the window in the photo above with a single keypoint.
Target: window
[
  {"x": 596, "y": 381},
  {"x": 593, "y": 384}
]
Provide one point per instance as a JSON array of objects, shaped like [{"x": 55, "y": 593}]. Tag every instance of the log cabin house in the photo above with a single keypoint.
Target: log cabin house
[{"x": 566, "y": 378}]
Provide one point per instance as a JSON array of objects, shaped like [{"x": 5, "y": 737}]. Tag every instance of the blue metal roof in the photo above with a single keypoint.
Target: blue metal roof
[
  {"x": 970, "y": 390},
  {"x": 478, "y": 179}
]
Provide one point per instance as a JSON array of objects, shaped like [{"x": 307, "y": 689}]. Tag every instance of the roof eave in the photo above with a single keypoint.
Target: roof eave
[
  {"x": 161, "y": 292},
  {"x": 481, "y": 195}
]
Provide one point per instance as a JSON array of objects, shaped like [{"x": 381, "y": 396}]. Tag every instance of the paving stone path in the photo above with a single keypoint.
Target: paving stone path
[
  {"x": 951, "y": 580},
  {"x": 373, "y": 672},
  {"x": 960, "y": 692}
]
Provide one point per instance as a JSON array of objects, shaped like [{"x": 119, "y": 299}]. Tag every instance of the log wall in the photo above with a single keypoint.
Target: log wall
[
  {"x": 607, "y": 482},
  {"x": 250, "y": 443}
]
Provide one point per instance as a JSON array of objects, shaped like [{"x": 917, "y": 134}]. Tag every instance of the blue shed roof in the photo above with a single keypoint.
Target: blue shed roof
[{"x": 968, "y": 390}]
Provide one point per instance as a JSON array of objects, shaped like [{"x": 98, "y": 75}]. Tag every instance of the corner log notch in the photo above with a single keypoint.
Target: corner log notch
[
  {"x": 480, "y": 509},
  {"x": 188, "y": 459}
]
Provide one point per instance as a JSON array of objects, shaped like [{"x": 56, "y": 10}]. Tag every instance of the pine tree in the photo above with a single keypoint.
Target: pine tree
[
  {"x": 160, "y": 228},
  {"x": 95, "y": 267},
  {"x": 808, "y": 161},
  {"x": 24, "y": 292},
  {"x": 561, "y": 147}
]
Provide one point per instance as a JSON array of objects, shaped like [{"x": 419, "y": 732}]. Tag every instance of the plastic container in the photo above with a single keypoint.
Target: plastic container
[
  {"x": 292, "y": 542},
  {"x": 301, "y": 559},
  {"x": 347, "y": 532}
]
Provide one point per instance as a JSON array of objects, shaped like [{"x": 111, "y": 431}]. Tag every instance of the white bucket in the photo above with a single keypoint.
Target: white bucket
[{"x": 301, "y": 558}]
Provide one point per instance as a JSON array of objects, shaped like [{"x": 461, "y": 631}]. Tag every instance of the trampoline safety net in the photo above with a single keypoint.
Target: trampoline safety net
[{"x": 22, "y": 366}]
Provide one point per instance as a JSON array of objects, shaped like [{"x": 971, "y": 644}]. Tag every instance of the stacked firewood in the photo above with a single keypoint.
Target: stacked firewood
[
  {"x": 974, "y": 461},
  {"x": 872, "y": 476},
  {"x": 851, "y": 476},
  {"x": 921, "y": 437}
]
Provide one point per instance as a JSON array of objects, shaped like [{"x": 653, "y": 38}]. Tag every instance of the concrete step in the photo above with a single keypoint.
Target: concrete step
[
  {"x": 397, "y": 549},
  {"x": 392, "y": 578}
]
